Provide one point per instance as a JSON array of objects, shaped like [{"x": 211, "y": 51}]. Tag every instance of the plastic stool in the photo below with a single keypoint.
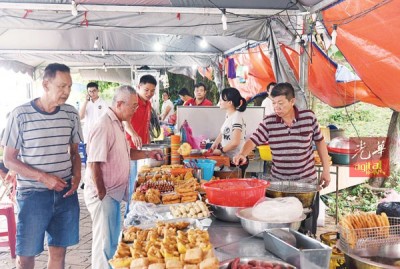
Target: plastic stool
[{"x": 8, "y": 211}]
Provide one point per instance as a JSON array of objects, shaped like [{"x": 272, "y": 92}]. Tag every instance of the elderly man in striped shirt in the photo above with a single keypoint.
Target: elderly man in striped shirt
[{"x": 290, "y": 133}]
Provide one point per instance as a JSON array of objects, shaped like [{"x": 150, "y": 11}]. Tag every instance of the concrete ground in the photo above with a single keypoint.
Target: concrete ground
[{"x": 79, "y": 256}]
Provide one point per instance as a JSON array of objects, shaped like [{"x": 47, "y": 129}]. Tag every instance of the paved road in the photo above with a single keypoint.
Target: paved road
[{"x": 78, "y": 256}]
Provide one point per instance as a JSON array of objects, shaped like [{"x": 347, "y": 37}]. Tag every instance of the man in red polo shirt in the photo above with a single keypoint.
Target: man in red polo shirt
[
  {"x": 138, "y": 128},
  {"x": 199, "y": 99}
]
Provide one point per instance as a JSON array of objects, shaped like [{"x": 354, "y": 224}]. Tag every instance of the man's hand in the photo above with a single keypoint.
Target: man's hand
[
  {"x": 74, "y": 186},
  {"x": 156, "y": 154},
  {"x": 53, "y": 182},
  {"x": 137, "y": 140},
  {"x": 101, "y": 194},
  {"x": 325, "y": 179},
  {"x": 239, "y": 159}
]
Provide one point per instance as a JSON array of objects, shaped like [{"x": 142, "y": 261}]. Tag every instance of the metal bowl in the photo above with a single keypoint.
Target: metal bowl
[
  {"x": 257, "y": 227},
  {"x": 225, "y": 264},
  {"x": 225, "y": 213},
  {"x": 305, "y": 192}
]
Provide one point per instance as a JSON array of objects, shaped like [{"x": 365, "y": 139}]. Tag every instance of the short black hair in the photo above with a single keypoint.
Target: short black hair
[
  {"x": 183, "y": 92},
  {"x": 148, "y": 79},
  {"x": 285, "y": 89},
  {"x": 92, "y": 85},
  {"x": 51, "y": 70},
  {"x": 200, "y": 84},
  {"x": 271, "y": 84},
  {"x": 166, "y": 92}
]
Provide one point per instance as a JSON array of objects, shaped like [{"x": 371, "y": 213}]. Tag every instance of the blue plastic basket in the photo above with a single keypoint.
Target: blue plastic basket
[{"x": 206, "y": 165}]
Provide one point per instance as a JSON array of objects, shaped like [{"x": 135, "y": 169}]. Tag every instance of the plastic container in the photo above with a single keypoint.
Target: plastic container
[
  {"x": 206, "y": 165},
  {"x": 339, "y": 158},
  {"x": 236, "y": 192},
  {"x": 265, "y": 152},
  {"x": 221, "y": 160}
]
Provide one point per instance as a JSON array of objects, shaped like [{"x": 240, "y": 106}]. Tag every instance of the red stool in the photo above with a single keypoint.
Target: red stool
[{"x": 8, "y": 211}]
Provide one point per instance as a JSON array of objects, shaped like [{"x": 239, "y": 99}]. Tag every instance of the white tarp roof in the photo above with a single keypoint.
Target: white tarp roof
[{"x": 35, "y": 33}]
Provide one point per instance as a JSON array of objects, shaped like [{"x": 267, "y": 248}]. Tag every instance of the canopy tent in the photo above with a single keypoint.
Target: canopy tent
[
  {"x": 39, "y": 32},
  {"x": 36, "y": 32}
]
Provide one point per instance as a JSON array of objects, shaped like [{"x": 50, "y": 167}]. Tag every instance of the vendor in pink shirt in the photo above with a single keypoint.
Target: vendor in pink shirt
[{"x": 200, "y": 91}]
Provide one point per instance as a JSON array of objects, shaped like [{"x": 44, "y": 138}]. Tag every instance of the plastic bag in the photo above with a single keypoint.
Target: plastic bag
[
  {"x": 141, "y": 213},
  {"x": 282, "y": 209},
  {"x": 392, "y": 209},
  {"x": 187, "y": 136}
]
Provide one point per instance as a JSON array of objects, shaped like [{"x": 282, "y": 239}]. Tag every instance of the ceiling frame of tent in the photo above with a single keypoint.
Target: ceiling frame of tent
[
  {"x": 107, "y": 52},
  {"x": 142, "y": 9}
]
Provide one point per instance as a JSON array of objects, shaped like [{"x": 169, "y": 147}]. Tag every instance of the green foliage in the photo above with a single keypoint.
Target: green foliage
[
  {"x": 393, "y": 181},
  {"x": 107, "y": 89},
  {"x": 358, "y": 198},
  {"x": 367, "y": 119}
]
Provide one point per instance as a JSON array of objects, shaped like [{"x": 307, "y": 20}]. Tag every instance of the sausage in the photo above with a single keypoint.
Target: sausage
[{"x": 234, "y": 264}]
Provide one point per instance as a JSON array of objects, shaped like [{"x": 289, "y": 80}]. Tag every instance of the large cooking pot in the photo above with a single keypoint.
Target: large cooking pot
[
  {"x": 166, "y": 151},
  {"x": 303, "y": 191}
]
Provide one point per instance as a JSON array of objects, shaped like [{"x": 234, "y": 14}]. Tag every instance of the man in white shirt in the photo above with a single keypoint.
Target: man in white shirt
[
  {"x": 167, "y": 108},
  {"x": 92, "y": 109},
  {"x": 267, "y": 103}
]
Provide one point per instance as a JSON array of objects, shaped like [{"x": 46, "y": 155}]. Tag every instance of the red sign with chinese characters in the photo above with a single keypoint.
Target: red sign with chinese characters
[{"x": 369, "y": 158}]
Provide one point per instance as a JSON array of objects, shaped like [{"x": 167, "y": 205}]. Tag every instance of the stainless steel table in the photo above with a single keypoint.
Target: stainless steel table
[{"x": 243, "y": 245}]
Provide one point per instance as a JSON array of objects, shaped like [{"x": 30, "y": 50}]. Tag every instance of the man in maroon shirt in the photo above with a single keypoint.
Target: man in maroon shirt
[{"x": 199, "y": 99}]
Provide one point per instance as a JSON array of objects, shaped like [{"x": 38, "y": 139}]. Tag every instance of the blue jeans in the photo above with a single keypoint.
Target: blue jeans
[
  {"x": 46, "y": 213},
  {"x": 132, "y": 181},
  {"x": 106, "y": 224}
]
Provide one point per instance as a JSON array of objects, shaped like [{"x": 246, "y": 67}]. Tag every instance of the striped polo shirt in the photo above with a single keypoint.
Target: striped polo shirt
[
  {"x": 291, "y": 147},
  {"x": 43, "y": 140}
]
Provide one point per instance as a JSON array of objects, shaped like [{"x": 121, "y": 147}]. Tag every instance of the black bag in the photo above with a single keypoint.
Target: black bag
[{"x": 392, "y": 209}]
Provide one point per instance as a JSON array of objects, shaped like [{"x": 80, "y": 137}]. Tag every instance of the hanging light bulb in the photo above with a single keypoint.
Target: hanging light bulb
[
  {"x": 74, "y": 9},
  {"x": 224, "y": 20},
  {"x": 157, "y": 45},
  {"x": 298, "y": 39},
  {"x": 102, "y": 51},
  {"x": 334, "y": 34},
  {"x": 105, "y": 67},
  {"x": 96, "y": 43},
  {"x": 194, "y": 67},
  {"x": 203, "y": 43}
]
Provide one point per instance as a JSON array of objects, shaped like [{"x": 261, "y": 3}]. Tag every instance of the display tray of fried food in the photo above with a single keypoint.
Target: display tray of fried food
[
  {"x": 166, "y": 245},
  {"x": 366, "y": 229},
  {"x": 196, "y": 210},
  {"x": 317, "y": 159}
]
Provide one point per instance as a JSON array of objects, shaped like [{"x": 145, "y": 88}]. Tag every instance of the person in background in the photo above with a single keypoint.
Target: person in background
[
  {"x": 184, "y": 95},
  {"x": 167, "y": 108},
  {"x": 41, "y": 145},
  {"x": 200, "y": 91},
  {"x": 138, "y": 126},
  {"x": 290, "y": 133},
  {"x": 92, "y": 109},
  {"x": 107, "y": 176},
  {"x": 232, "y": 134},
  {"x": 267, "y": 103}
]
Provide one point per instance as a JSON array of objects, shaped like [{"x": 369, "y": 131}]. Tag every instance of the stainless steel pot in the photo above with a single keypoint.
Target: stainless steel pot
[
  {"x": 164, "y": 148},
  {"x": 305, "y": 192},
  {"x": 224, "y": 213}
]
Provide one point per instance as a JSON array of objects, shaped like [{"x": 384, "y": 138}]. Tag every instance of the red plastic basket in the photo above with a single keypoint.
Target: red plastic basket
[{"x": 236, "y": 192}]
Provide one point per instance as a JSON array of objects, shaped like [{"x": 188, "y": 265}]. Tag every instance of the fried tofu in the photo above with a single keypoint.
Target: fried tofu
[
  {"x": 157, "y": 266},
  {"x": 174, "y": 264},
  {"x": 209, "y": 263},
  {"x": 193, "y": 255}
]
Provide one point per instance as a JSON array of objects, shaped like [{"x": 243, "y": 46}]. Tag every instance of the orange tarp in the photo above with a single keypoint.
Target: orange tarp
[
  {"x": 368, "y": 36},
  {"x": 259, "y": 74},
  {"x": 322, "y": 82}
]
